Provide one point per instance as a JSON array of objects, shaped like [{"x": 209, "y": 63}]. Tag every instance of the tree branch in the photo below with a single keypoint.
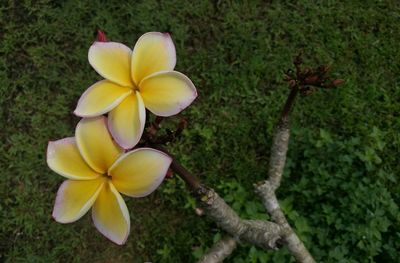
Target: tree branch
[
  {"x": 219, "y": 251},
  {"x": 266, "y": 189},
  {"x": 279, "y": 149},
  {"x": 294, "y": 244},
  {"x": 263, "y": 234}
]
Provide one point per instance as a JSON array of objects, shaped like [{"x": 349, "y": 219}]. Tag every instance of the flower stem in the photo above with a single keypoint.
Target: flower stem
[{"x": 189, "y": 178}]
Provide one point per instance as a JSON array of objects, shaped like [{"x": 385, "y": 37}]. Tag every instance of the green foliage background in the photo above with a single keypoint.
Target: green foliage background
[{"x": 341, "y": 185}]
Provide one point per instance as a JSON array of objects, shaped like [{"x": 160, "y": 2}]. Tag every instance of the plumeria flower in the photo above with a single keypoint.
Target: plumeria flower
[
  {"x": 135, "y": 80},
  {"x": 97, "y": 169}
]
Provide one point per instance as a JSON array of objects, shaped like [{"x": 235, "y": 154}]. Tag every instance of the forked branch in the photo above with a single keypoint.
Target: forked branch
[
  {"x": 303, "y": 80},
  {"x": 266, "y": 189},
  {"x": 262, "y": 233}
]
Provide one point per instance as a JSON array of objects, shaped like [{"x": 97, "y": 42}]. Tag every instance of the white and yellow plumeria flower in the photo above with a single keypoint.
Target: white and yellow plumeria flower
[
  {"x": 135, "y": 80},
  {"x": 97, "y": 170}
]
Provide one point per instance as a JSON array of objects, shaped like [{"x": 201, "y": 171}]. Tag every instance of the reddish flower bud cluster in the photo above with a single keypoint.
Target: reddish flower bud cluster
[{"x": 305, "y": 79}]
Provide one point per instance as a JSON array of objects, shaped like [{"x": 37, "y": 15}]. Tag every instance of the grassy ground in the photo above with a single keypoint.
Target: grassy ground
[{"x": 341, "y": 187}]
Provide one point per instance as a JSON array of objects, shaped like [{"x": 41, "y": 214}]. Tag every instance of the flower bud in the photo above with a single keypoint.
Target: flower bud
[
  {"x": 338, "y": 82},
  {"x": 101, "y": 36},
  {"x": 311, "y": 80},
  {"x": 169, "y": 174}
]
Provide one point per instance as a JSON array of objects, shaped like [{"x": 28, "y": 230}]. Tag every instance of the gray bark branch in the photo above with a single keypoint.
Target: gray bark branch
[
  {"x": 219, "y": 251},
  {"x": 263, "y": 234},
  {"x": 290, "y": 238},
  {"x": 278, "y": 157},
  {"x": 266, "y": 191}
]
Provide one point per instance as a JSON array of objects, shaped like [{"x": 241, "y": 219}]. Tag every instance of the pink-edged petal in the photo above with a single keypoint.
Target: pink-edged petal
[
  {"x": 64, "y": 158},
  {"x": 110, "y": 215},
  {"x": 75, "y": 198},
  {"x": 167, "y": 93},
  {"x": 100, "y": 98},
  {"x": 153, "y": 52},
  {"x": 127, "y": 120},
  {"x": 95, "y": 143},
  {"x": 112, "y": 61},
  {"x": 138, "y": 173}
]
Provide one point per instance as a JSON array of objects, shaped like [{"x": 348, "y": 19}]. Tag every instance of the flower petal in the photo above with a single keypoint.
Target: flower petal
[
  {"x": 95, "y": 143},
  {"x": 153, "y": 52},
  {"x": 110, "y": 215},
  {"x": 167, "y": 93},
  {"x": 127, "y": 121},
  {"x": 112, "y": 61},
  {"x": 100, "y": 98},
  {"x": 138, "y": 173},
  {"x": 63, "y": 157},
  {"x": 75, "y": 198}
]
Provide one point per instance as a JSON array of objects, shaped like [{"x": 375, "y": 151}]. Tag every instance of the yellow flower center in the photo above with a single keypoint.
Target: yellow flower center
[{"x": 135, "y": 87}]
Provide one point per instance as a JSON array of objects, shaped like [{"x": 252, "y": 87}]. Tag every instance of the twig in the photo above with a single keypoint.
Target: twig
[
  {"x": 219, "y": 251},
  {"x": 189, "y": 178},
  {"x": 288, "y": 105}
]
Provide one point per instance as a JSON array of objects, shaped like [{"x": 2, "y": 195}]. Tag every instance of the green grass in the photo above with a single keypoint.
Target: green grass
[{"x": 340, "y": 189}]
